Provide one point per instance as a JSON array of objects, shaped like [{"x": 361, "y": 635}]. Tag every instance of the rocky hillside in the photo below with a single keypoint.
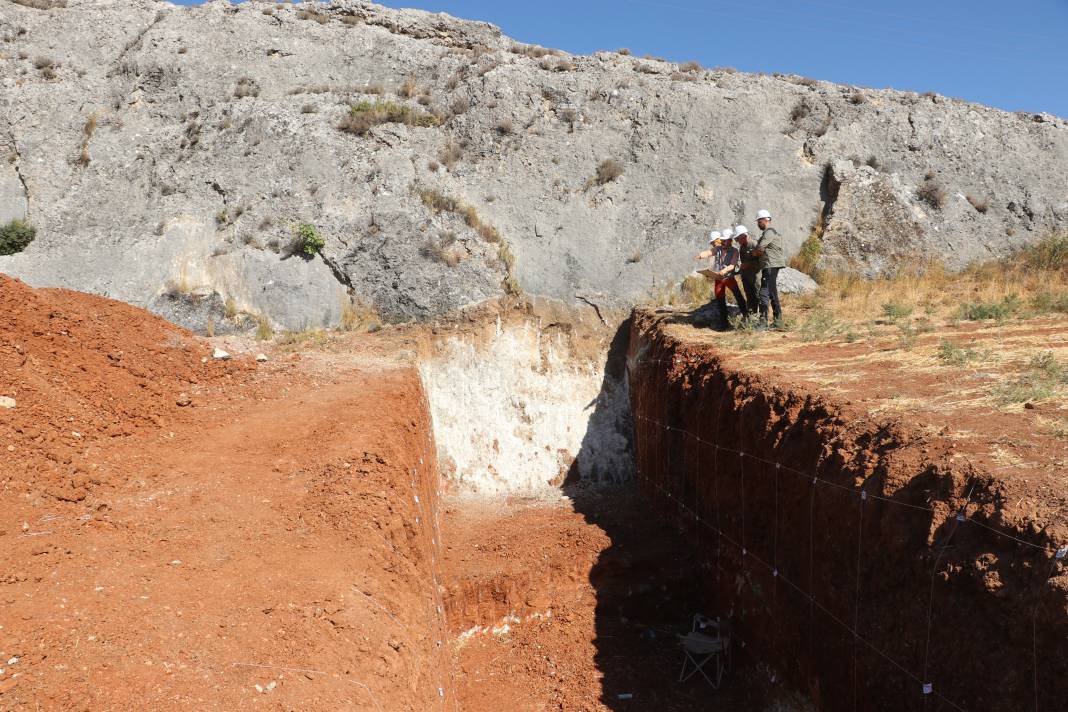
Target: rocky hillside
[{"x": 169, "y": 156}]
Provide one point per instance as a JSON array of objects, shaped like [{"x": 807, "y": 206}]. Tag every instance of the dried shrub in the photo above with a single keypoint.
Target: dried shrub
[
  {"x": 857, "y": 98},
  {"x": 309, "y": 109},
  {"x": 932, "y": 193},
  {"x": 691, "y": 67},
  {"x": 364, "y": 116},
  {"x": 558, "y": 65},
  {"x": 532, "y": 51},
  {"x": 805, "y": 81},
  {"x": 444, "y": 250},
  {"x": 423, "y": 100},
  {"x": 725, "y": 70},
  {"x": 504, "y": 127},
  {"x": 246, "y": 86},
  {"x": 453, "y": 82},
  {"x": 623, "y": 51},
  {"x": 433, "y": 166},
  {"x": 981, "y": 205},
  {"x": 267, "y": 11},
  {"x": 460, "y": 105},
  {"x": 872, "y": 162},
  {"x": 351, "y": 20},
  {"x": 450, "y": 154},
  {"x": 409, "y": 88},
  {"x": 680, "y": 77},
  {"x": 41, "y": 4},
  {"x": 607, "y": 171},
  {"x": 308, "y": 14},
  {"x": 800, "y": 112}
]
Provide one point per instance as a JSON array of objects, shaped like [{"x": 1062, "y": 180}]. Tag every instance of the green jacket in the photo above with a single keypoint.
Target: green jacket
[{"x": 774, "y": 252}]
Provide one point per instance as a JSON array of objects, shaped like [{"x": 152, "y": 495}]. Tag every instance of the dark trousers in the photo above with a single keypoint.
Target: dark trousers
[
  {"x": 721, "y": 299},
  {"x": 751, "y": 296},
  {"x": 769, "y": 292}
]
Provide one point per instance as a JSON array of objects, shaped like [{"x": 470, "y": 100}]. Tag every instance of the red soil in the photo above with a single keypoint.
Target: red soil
[{"x": 273, "y": 531}]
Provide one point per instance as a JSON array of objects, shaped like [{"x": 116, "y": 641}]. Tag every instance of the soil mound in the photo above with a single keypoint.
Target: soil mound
[{"x": 82, "y": 369}]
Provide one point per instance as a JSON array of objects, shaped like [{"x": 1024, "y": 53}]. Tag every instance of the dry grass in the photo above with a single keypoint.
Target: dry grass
[
  {"x": 460, "y": 105},
  {"x": 504, "y": 127},
  {"x": 246, "y": 86},
  {"x": 450, "y": 154},
  {"x": 808, "y": 257},
  {"x": 41, "y": 4},
  {"x": 444, "y": 250},
  {"x": 608, "y": 170},
  {"x": 358, "y": 315},
  {"x": 981, "y": 205},
  {"x": 1032, "y": 282},
  {"x": 364, "y": 116},
  {"x": 932, "y": 193}
]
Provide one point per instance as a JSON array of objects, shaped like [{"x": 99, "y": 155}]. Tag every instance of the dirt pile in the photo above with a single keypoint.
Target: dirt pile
[
  {"x": 872, "y": 562},
  {"x": 83, "y": 370},
  {"x": 273, "y": 543}
]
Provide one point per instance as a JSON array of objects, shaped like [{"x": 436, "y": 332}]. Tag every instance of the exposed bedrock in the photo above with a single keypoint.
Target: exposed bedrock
[
  {"x": 859, "y": 586},
  {"x": 170, "y": 153},
  {"x": 523, "y": 403}
]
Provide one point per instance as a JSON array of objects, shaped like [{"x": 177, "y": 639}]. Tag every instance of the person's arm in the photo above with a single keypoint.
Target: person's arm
[
  {"x": 732, "y": 262},
  {"x": 704, "y": 255}
]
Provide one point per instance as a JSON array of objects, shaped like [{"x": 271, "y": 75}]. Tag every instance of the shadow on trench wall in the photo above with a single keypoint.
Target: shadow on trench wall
[{"x": 648, "y": 581}]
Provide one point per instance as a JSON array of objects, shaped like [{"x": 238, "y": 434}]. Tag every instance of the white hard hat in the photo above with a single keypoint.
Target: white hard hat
[
  {"x": 761, "y": 214},
  {"x": 740, "y": 230},
  {"x": 713, "y": 236},
  {"x": 728, "y": 234}
]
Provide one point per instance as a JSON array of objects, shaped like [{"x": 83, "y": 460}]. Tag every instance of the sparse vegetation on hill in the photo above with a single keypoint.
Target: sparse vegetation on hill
[
  {"x": 932, "y": 193},
  {"x": 365, "y": 115},
  {"x": 42, "y": 4},
  {"x": 608, "y": 170}
]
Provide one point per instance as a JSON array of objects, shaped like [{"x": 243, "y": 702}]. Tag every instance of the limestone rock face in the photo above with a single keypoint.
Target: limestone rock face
[{"x": 168, "y": 154}]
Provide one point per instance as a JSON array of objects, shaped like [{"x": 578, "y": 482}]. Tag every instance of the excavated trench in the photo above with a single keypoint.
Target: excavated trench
[{"x": 601, "y": 487}]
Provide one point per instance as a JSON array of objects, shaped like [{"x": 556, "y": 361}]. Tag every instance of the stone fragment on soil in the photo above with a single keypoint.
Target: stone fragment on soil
[
  {"x": 183, "y": 400},
  {"x": 6, "y": 402},
  {"x": 221, "y": 355},
  {"x": 261, "y": 357}
]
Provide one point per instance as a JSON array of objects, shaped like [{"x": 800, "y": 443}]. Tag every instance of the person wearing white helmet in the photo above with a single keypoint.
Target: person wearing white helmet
[
  {"x": 772, "y": 254},
  {"x": 748, "y": 268},
  {"x": 724, "y": 266}
]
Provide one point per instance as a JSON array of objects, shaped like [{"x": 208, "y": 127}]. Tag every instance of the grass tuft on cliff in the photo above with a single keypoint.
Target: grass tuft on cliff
[{"x": 365, "y": 115}]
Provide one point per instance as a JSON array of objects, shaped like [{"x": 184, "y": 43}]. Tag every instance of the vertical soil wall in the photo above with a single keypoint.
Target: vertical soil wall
[{"x": 866, "y": 564}]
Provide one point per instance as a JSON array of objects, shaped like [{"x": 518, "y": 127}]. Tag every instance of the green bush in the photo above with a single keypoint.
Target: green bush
[
  {"x": 309, "y": 241},
  {"x": 15, "y": 236},
  {"x": 1048, "y": 254},
  {"x": 956, "y": 355},
  {"x": 1046, "y": 302},
  {"x": 819, "y": 326},
  {"x": 978, "y": 311},
  {"x": 894, "y": 311}
]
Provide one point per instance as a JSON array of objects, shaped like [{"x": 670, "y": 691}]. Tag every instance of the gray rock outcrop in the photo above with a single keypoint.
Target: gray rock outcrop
[{"x": 167, "y": 154}]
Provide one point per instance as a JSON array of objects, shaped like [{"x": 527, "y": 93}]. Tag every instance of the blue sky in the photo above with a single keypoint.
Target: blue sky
[{"x": 1013, "y": 55}]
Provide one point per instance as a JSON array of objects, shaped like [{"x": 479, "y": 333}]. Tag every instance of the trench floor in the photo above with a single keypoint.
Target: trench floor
[{"x": 575, "y": 605}]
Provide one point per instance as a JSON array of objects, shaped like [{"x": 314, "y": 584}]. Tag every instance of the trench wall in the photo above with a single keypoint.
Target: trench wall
[
  {"x": 524, "y": 404},
  {"x": 832, "y": 541}
]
